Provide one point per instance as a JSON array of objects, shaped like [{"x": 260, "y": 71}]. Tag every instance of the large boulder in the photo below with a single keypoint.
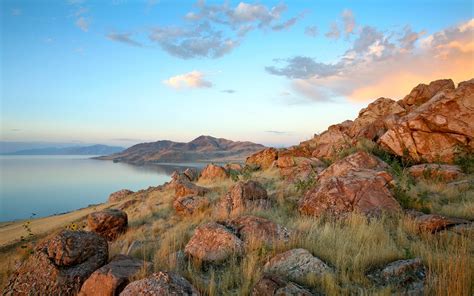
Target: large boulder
[
  {"x": 364, "y": 191},
  {"x": 422, "y": 93},
  {"x": 192, "y": 174},
  {"x": 256, "y": 229},
  {"x": 187, "y": 188},
  {"x": 213, "y": 172},
  {"x": 190, "y": 204},
  {"x": 111, "y": 279},
  {"x": 432, "y": 222},
  {"x": 330, "y": 142},
  {"x": 213, "y": 243},
  {"x": 119, "y": 195},
  {"x": 109, "y": 223},
  {"x": 59, "y": 265},
  {"x": 243, "y": 195},
  {"x": 263, "y": 159},
  {"x": 160, "y": 283},
  {"x": 441, "y": 172},
  {"x": 438, "y": 130},
  {"x": 296, "y": 265},
  {"x": 406, "y": 277},
  {"x": 273, "y": 285},
  {"x": 299, "y": 168}
]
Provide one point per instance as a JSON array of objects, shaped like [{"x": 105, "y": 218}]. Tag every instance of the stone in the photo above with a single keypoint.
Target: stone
[
  {"x": 303, "y": 169},
  {"x": 243, "y": 195},
  {"x": 192, "y": 174},
  {"x": 111, "y": 279},
  {"x": 59, "y": 265},
  {"x": 432, "y": 222},
  {"x": 160, "y": 283},
  {"x": 256, "y": 229},
  {"x": 190, "y": 204},
  {"x": 213, "y": 243},
  {"x": 296, "y": 265},
  {"x": 333, "y": 140},
  {"x": 263, "y": 159},
  {"x": 441, "y": 172},
  {"x": 406, "y": 277},
  {"x": 363, "y": 191},
  {"x": 119, "y": 195},
  {"x": 109, "y": 223},
  {"x": 233, "y": 167},
  {"x": 186, "y": 188},
  {"x": 422, "y": 92},
  {"x": 272, "y": 285},
  {"x": 213, "y": 172}
]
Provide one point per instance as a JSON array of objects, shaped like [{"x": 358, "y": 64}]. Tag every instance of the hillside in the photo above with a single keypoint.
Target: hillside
[
  {"x": 203, "y": 148},
  {"x": 75, "y": 150}
]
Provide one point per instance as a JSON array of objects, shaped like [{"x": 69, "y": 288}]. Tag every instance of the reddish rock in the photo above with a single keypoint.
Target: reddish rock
[
  {"x": 296, "y": 265},
  {"x": 109, "y": 223},
  {"x": 263, "y": 159},
  {"x": 111, "y": 279},
  {"x": 213, "y": 172},
  {"x": 243, "y": 195},
  {"x": 161, "y": 283},
  {"x": 192, "y": 174},
  {"x": 272, "y": 285},
  {"x": 422, "y": 92},
  {"x": 252, "y": 228},
  {"x": 364, "y": 191},
  {"x": 437, "y": 130},
  {"x": 330, "y": 142},
  {"x": 213, "y": 243},
  {"x": 286, "y": 161},
  {"x": 442, "y": 172},
  {"x": 233, "y": 167},
  {"x": 119, "y": 195},
  {"x": 303, "y": 169},
  {"x": 188, "y": 205},
  {"x": 186, "y": 188},
  {"x": 59, "y": 265},
  {"x": 432, "y": 222}
]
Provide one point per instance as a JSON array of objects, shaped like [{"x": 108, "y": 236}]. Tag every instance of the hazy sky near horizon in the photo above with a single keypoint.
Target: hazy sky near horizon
[{"x": 272, "y": 72}]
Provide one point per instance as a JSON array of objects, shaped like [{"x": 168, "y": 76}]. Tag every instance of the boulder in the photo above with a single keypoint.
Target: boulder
[
  {"x": 186, "y": 188},
  {"x": 406, "y": 277},
  {"x": 353, "y": 162},
  {"x": 286, "y": 161},
  {"x": 364, "y": 191},
  {"x": 330, "y": 142},
  {"x": 190, "y": 204},
  {"x": 160, "y": 283},
  {"x": 192, "y": 174},
  {"x": 109, "y": 223},
  {"x": 433, "y": 223},
  {"x": 252, "y": 228},
  {"x": 442, "y": 172},
  {"x": 263, "y": 159},
  {"x": 272, "y": 285},
  {"x": 243, "y": 195},
  {"x": 302, "y": 169},
  {"x": 213, "y": 172},
  {"x": 111, "y": 279},
  {"x": 213, "y": 243},
  {"x": 296, "y": 265},
  {"x": 233, "y": 167},
  {"x": 119, "y": 195},
  {"x": 422, "y": 93},
  {"x": 59, "y": 265},
  {"x": 438, "y": 130}
]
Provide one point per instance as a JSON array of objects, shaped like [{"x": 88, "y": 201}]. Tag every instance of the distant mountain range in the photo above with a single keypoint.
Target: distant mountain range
[
  {"x": 75, "y": 150},
  {"x": 203, "y": 148}
]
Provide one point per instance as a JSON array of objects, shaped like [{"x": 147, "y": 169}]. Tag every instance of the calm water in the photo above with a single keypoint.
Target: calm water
[{"x": 48, "y": 185}]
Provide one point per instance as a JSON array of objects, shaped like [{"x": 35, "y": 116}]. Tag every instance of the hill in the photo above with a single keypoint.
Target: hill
[
  {"x": 203, "y": 148},
  {"x": 75, "y": 150}
]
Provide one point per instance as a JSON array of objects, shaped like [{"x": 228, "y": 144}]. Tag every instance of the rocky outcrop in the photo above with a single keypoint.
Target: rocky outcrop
[
  {"x": 109, "y": 223},
  {"x": 186, "y": 188},
  {"x": 59, "y": 265},
  {"x": 213, "y": 172},
  {"x": 422, "y": 93},
  {"x": 111, "y": 279},
  {"x": 296, "y": 265},
  {"x": 243, "y": 195},
  {"x": 272, "y": 285},
  {"x": 299, "y": 168},
  {"x": 192, "y": 174},
  {"x": 119, "y": 195},
  {"x": 213, "y": 243},
  {"x": 263, "y": 159},
  {"x": 433, "y": 223},
  {"x": 437, "y": 130},
  {"x": 433, "y": 171},
  {"x": 161, "y": 283},
  {"x": 256, "y": 229},
  {"x": 190, "y": 204},
  {"x": 406, "y": 277},
  {"x": 330, "y": 142}
]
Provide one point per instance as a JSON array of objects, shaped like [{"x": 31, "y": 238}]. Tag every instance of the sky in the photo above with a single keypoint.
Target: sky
[{"x": 121, "y": 72}]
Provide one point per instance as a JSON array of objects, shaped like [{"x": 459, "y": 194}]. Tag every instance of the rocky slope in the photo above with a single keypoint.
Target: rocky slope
[{"x": 203, "y": 148}]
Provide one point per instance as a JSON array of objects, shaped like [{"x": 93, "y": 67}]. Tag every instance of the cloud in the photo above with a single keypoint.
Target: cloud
[
  {"x": 123, "y": 38},
  {"x": 334, "y": 32},
  {"x": 311, "y": 31},
  {"x": 279, "y": 133},
  {"x": 194, "y": 79},
  {"x": 384, "y": 64},
  {"x": 83, "y": 23},
  {"x": 285, "y": 25},
  {"x": 348, "y": 20},
  {"x": 229, "y": 91}
]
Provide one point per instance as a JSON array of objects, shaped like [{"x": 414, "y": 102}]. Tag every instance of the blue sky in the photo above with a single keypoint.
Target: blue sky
[{"x": 273, "y": 72}]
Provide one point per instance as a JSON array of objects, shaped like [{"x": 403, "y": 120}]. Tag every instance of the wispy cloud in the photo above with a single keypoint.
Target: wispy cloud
[
  {"x": 334, "y": 32},
  {"x": 123, "y": 38},
  {"x": 229, "y": 91},
  {"x": 279, "y": 133},
  {"x": 311, "y": 31},
  {"x": 194, "y": 79}
]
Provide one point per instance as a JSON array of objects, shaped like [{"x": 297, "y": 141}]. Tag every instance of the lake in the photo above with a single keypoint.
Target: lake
[{"x": 47, "y": 185}]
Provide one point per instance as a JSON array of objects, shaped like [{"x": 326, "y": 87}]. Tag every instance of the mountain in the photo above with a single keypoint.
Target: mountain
[
  {"x": 75, "y": 150},
  {"x": 203, "y": 148}
]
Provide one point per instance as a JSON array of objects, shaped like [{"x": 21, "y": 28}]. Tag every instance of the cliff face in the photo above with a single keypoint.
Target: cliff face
[{"x": 203, "y": 148}]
